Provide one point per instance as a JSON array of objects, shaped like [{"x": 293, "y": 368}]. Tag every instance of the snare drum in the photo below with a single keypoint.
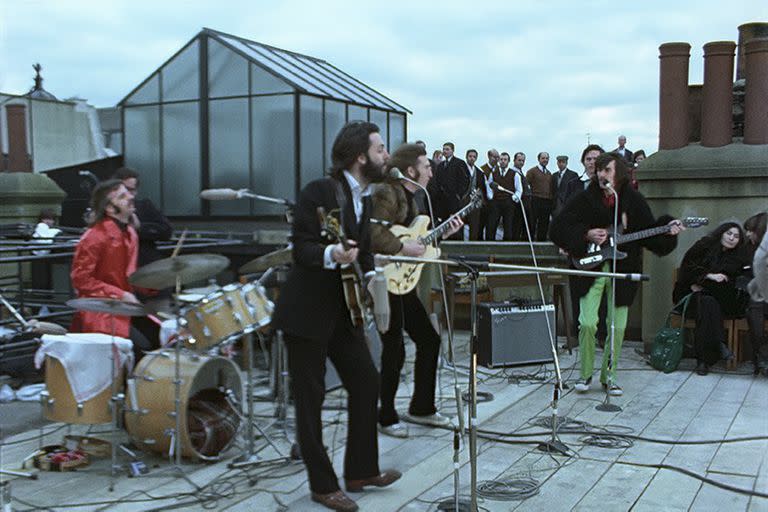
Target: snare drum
[
  {"x": 220, "y": 317},
  {"x": 209, "y": 422},
  {"x": 259, "y": 306}
]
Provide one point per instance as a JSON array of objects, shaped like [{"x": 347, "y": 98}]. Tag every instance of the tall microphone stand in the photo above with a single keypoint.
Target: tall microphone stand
[
  {"x": 458, "y": 505},
  {"x": 554, "y": 445},
  {"x": 607, "y": 406}
]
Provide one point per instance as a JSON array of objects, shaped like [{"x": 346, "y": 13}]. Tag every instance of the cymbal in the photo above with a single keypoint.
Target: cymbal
[
  {"x": 189, "y": 268},
  {"x": 109, "y": 306},
  {"x": 46, "y": 327},
  {"x": 271, "y": 259}
]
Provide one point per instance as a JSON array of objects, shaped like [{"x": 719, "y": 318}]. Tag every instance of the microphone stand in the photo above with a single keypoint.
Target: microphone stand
[
  {"x": 456, "y": 504},
  {"x": 554, "y": 445},
  {"x": 268, "y": 199},
  {"x": 607, "y": 406}
]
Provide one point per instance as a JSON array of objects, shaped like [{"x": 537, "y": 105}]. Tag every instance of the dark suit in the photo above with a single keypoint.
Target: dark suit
[
  {"x": 560, "y": 184},
  {"x": 313, "y": 315},
  {"x": 478, "y": 218},
  {"x": 154, "y": 228},
  {"x": 627, "y": 156},
  {"x": 452, "y": 180}
]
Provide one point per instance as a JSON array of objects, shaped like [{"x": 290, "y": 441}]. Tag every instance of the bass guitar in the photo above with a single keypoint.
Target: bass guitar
[
  {"x": 598, "y": 254},
  {"x": 359, "y": 302},
  {"x": 403, "y": 277}
]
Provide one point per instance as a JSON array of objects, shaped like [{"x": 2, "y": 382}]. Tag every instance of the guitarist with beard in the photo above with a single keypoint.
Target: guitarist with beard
[
  {"x": 588, "y": 217},
  {"x": 393, "y": 202},
  {"x": 315, "y": 318}
]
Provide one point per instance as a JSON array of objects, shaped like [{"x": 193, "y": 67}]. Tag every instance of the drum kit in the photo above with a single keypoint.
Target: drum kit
[{"x": 180, "y": 401}]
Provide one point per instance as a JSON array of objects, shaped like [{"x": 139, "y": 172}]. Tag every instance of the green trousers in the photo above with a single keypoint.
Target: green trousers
[{"x": 589, "y": 305}]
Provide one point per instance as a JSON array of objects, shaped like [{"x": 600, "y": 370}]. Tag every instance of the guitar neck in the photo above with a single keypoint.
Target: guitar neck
[
  {"x": 645, "y": 233},
  {"x": 430, "y": 237}
]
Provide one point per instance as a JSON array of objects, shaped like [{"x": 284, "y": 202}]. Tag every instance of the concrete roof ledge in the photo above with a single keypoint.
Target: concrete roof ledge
[{"x": 696, "y": 161}]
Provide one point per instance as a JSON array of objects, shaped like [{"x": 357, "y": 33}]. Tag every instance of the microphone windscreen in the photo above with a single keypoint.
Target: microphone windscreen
[
  {"x": 219, "y": 194},
  {"x": 395, "y": 173},
  {"x": 380, "y": 301},
  {"x": 494, "y": 185}
]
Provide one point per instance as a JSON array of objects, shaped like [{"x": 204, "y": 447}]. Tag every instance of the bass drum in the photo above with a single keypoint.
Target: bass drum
[{"x": 209, "y": 422}]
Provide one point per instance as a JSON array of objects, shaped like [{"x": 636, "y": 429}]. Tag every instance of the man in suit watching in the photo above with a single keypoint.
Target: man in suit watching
[
  {"x": 623, "y": 151},
  {"x": 540, "y": 180},
  {"x": 488, "y": 169},
  {"x": 560, "y": 181},
  {"x": 453, "y": 181}
]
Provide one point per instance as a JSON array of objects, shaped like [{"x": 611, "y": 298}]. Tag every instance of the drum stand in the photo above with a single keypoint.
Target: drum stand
[
  {"x": 250, "y": 457},
  {"x": 116, "y": 406}
]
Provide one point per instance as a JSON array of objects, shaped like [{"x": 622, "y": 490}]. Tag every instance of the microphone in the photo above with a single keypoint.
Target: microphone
[
  {"x": 496, "y": 186},
  {"x": 221, "y": 194},
  {"x": 380, "y": 296}
]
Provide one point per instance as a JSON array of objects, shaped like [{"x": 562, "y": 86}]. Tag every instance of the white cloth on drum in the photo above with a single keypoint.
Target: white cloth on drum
[
  {"x": 86, "y": 359},
  {"x": 169, "y": 329}
]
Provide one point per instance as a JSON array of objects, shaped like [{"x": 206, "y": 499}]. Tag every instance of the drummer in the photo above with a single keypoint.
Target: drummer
[{"x": 104, "y": 258}]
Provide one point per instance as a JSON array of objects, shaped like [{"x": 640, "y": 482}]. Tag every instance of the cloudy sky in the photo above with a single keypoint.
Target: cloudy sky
[{"x": 517, "y": 75}]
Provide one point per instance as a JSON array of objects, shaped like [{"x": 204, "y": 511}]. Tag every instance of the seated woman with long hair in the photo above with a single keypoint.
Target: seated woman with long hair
[{"x": 708, "y": 271}]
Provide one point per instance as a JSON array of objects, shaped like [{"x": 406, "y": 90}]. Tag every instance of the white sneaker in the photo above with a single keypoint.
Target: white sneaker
[
  {"x": 582, "y": 386},
  {"x": 431, "y": 420},
  {"x": 614, "y": 390},
  {"x": 395, "y": 430}
]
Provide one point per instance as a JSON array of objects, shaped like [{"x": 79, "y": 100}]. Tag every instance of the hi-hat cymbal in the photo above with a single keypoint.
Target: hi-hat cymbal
[
  {"x": 272, "y": 259},
  {"x": 109, "y": 306},
  {"x": 189, "y": 268}
]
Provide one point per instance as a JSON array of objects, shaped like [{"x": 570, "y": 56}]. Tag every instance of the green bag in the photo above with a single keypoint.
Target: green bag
[{"x": 668, "y": 344}]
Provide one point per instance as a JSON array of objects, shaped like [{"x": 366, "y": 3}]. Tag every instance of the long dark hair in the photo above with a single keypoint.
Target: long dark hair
[
  {"x": 712, "y": 239},
  {"x": 622, "y": 172},
  {"x": 352, "y": 141},
  {"x": 757, "y": 224}
]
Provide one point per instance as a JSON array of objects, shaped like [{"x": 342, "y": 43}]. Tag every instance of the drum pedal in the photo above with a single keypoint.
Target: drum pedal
[{"x": 137, "y": 468}]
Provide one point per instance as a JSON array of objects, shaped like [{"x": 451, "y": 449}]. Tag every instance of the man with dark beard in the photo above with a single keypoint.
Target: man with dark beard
[{"x": 315, "y": 318}]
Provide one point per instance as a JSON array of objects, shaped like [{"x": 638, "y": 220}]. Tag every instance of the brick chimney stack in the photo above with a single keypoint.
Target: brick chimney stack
[
  {"x": 673, "y": 95},
  {"x": 717, "y": 104}
]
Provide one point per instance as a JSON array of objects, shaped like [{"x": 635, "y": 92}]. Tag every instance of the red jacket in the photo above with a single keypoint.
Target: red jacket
[{"x": 104, "y": 258}]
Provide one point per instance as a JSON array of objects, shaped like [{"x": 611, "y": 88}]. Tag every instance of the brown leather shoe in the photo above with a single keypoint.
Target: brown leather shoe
[
  {"x": 384, "y": 479},
  {"x": 336, "y": 500}
]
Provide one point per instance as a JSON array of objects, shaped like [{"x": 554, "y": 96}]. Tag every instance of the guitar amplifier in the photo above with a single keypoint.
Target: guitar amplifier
[{"x": 514, "y": 335}]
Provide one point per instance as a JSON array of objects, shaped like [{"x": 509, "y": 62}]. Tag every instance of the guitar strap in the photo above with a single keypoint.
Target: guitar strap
[{"x": 341, "y": 200}]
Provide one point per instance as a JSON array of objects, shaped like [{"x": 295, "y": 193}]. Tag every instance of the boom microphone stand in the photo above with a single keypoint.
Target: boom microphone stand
[{"x": 607, "y": 406}]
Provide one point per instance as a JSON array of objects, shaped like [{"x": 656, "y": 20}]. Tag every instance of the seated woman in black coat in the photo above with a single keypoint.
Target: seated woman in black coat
[{"x": 709, "y": 270}]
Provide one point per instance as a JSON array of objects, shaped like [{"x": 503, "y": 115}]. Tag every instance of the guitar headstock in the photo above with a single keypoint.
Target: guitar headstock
[
  {"x": 695, "y": 222},
  {"x": 476, "y": 197}
]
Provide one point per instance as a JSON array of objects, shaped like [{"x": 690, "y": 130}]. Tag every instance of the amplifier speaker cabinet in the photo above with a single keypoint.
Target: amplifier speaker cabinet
[{"x": 512, "y": 335}]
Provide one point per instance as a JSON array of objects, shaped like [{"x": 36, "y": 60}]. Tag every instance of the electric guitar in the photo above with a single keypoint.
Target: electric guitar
[
  {"x": 359, "y": 302},
  {"x": 597, "y": 254},
  {"x": 403, "y": 277}
]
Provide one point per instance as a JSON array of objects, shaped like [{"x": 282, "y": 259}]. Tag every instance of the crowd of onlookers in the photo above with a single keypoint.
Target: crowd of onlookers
[{"x": 512, "y": 192}]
